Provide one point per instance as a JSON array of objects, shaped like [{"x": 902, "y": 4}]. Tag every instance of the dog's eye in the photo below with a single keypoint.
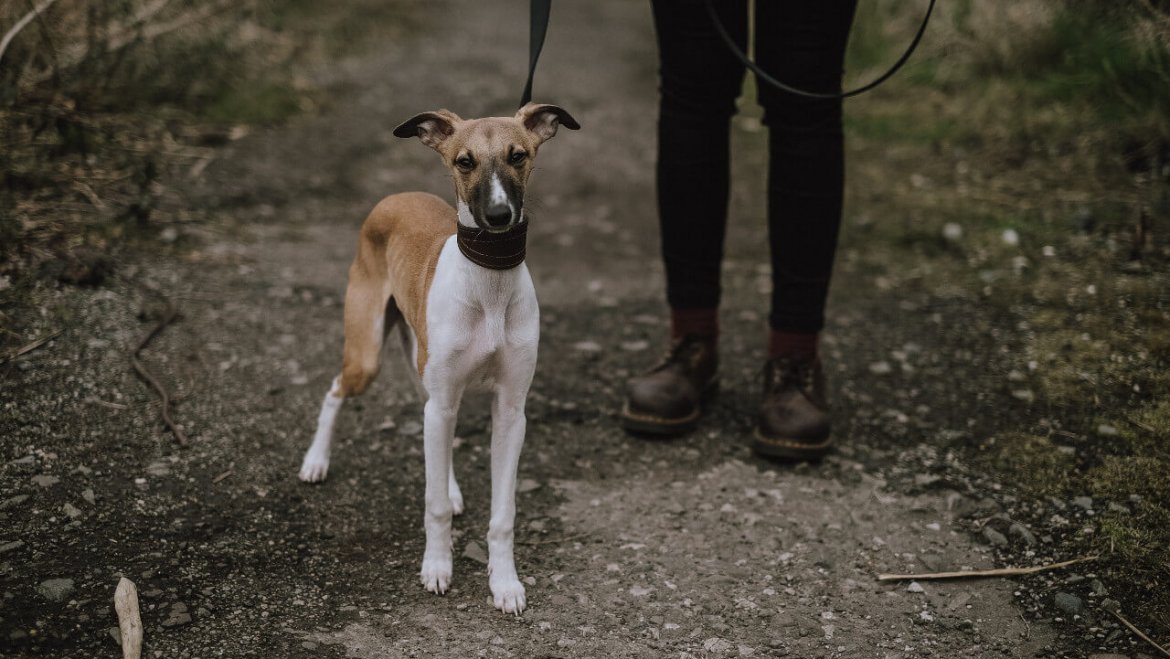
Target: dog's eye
[
  {"x": 517, "y": 157},
  {"x": 465, "y": 163}
]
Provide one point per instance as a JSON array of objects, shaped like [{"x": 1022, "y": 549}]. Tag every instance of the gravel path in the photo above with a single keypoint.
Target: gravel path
[{"x": 630, "y": 548}]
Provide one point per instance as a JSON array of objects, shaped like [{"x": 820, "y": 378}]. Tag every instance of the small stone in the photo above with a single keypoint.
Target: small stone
[
  {"x": 587, "y": 346},
  {"x": 635, "y": 346},
  {"x": 1107, "y": 430},
  {"x": 13, "y": 501},
  {"x": 89, "y": 497},
  {"x": 10, "y": 546},
  {"x": 881, "y": 368},
  {"x": 1010, "y": 237},
  {"x": 1085, "y": 503},
  {"x": 527, "y": 485},
  {"x": 952, "y": 231},
  {"x": 1070, "y": 604},
  {"x": 55, "y": 590},
  {"x": 45, "y": 480},
  {"x": 411, "y": 428},
  {"x": 1108, "y": 655},
  {"x": 639, "y": 591},
  {"x": 1021, "y": 532},
  {"x": 158, "y": 468},
  {"x": 71, "y": 510},
  {"x": 177, "y": 619},
  {"x": 915, "y": 587},
  {"x": 475, "y": 552},
  {"x": 717, "y": 645},
  {"x": 995, "y": 537},
  {"x": 1098, "y": 588},
  {"x": 1110, "y": 605},
  {"x": 116, "y": 634}
]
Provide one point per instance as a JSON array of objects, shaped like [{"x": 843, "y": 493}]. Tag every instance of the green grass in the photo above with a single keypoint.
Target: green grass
[{"x": 1059, "y": 120}]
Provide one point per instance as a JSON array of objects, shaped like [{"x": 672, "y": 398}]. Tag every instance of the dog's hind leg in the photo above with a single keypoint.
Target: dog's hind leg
[{"x": 369, "y": 315}]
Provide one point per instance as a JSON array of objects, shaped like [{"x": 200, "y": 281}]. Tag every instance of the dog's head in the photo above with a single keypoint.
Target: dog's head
[{"x": 490, "y": 158}]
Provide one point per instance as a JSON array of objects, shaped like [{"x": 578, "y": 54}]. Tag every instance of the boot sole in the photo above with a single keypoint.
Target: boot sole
[
  {"x": 789, "y": 449},
  {"x": 654, "y": 426}
]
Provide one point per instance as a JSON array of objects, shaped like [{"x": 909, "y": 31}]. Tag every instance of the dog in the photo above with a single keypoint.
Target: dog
[{"x": 454, "y": 281}]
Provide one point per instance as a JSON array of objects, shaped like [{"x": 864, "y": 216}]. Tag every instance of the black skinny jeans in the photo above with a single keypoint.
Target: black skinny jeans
[{"x": 802, "y": 43}]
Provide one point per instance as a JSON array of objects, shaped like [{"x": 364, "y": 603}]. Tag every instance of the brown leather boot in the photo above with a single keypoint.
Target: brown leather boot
[
  {"x": 668, "y": 399},
  {"x": 794, "y": 417}
]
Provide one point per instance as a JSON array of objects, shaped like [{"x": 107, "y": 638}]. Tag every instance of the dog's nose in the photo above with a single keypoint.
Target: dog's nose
[{"x": 498, "y": 215}]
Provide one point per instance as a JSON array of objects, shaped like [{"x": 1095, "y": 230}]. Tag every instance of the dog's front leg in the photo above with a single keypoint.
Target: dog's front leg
[
  {"x": 438, "y": 431},
  {"x": 508, "y": 427}
]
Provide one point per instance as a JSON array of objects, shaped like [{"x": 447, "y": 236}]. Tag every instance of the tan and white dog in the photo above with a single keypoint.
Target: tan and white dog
[{"x": 456, "y": 276}]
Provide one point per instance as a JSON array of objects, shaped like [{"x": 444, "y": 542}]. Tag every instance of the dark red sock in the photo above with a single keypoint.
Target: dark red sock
[
  {"x": 791, "y": 344},
  {"x": 694, "y": 322}
]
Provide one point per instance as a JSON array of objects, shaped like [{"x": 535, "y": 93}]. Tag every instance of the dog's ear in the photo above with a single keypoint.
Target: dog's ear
[
  {"x": 430, "y": 127},
  {"x": 542, "y": 119}
]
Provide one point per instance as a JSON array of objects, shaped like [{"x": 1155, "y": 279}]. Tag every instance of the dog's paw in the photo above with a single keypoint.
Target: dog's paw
[
  {"x": 508, "y": 595},
  {"x": 456, "y": 503},
  {"x": 314, "y": 468},
  {"x": 436, "y": 574}
]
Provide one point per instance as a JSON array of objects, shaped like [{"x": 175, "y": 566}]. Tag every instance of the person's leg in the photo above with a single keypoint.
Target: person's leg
[
  {"x": 802, "y": 44},
  {"x": 699, "y": 82}
]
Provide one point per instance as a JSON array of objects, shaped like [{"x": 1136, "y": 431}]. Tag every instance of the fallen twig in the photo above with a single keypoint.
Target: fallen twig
[
  {"x": 972, "y": 574},
  {"x": 165, "y": 397},
  {"x": 21, "y": 24},
  {"x": 1137, "y": 631},
  {"x": 29, "y": 347},
  {"x": 129, "y": 618},
  {"x": 221, "y": 476}
]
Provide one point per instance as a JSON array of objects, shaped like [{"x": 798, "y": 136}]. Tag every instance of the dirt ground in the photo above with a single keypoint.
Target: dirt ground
[{"x": 629, "y": 548}]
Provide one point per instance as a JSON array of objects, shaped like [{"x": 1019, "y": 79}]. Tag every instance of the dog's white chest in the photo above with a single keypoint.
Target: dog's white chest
[{"x": 480, "y": 320}]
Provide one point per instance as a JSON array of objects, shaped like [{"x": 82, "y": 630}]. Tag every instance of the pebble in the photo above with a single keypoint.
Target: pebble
[
  {"x": 952, "y": 231},
  {"x": 915, "y": 587},
  {"x": 717, "y": 645},
  {"x": 527, "y": 485},
  {"x": 89, "y": 497},
  {"x": 881, "y": 368},
  {"x": 9, "y": 546},
  {"x": 635, "y": 346},
  {"x": 71, "y": 510},
  {"x": 13, "y": 501},
  {"x": 411, "y": 428},
  {"x": 1106, "y": 430},
  {"x": 587, "y": 346},
  {"x": 45, "y": 480},
  {"x": 1110, "y": 605},
  {"x": 55, "y": 590},
  {"x": 1083, "y": 502},
  {"x": 1010, "y": 237},
  {"x": 1108, "y": 656},
  {"x": 178, "y": 616},
  {"x": 1070, "y": 604},
  {"x": 1017, "y": 530},
  {"x": 995, "y": 537},
  {"x": 475, "y": 552}
]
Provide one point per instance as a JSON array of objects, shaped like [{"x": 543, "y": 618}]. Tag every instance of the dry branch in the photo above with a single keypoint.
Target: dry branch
[
  {"x": 29, "y": 347},
  {"x": 146, "y": 375},
  {"x": 1137, "y": 631},
  {"x": 21, "y": 24},
  {"x": 129, "y": 618},
  {"x": 974, "y": 574}
]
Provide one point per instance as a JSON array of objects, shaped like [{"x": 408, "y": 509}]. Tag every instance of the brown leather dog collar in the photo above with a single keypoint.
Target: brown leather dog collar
[{"x": 498, "y": 251}]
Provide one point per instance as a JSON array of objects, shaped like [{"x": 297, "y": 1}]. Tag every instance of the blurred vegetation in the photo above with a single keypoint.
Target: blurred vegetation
[
  {"x": 1039, "y": 131},
  {"x": 102, "y": 104}
]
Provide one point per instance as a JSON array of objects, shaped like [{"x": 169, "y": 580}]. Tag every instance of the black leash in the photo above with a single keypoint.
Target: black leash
[
  {"x": 538, "y": 12},
  {"x": 763, "y": 75}
]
